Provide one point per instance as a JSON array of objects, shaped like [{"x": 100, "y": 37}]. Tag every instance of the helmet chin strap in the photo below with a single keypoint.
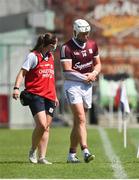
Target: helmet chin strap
[
  {"x": 75, "y": 35},
  {"x": 80, "y": 42}
]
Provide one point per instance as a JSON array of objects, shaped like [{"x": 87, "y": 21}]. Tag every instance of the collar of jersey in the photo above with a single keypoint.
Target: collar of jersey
[
  {"x": 46, "y": 57},
  {"x": 82, "y": 47}
]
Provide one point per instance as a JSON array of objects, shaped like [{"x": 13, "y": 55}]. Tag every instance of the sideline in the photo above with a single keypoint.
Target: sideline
[{"x": 119, "y": 172}]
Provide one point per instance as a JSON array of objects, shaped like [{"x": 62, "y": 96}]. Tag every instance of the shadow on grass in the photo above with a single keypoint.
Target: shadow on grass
[
  {"x": 59, "y": 162},
  {"x": 64, "y": 162},
  {"x": 14, "y": 162},
  {"x": 130, "y": 162},
  {"x": 27, "y": 162},
  {"x": 56, "y": 162}
]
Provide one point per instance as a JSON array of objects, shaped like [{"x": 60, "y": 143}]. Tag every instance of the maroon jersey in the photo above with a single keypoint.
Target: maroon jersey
[
  {"x": 82, "y": 58},
  {"x": 40, "y": 80}
]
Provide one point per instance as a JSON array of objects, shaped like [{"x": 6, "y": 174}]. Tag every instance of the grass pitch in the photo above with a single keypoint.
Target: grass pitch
[{"x": 15, "y": 144}]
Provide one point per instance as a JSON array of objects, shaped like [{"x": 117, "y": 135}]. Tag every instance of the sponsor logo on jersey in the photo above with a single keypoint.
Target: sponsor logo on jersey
[
  {"x": 80, "y": 66},
  {"x": 47, "y": 72},
  {"x": 45, "y": 65},
  {"x": 84, "y": 53},
  {"x": 91, "y": 51},
  {"x": 76, "y": 53}
]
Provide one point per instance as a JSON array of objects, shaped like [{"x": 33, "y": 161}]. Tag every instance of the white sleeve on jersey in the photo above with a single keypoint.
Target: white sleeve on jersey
[
  {"x": 74, "y": 76},
  {"x": 65, "y": 60},
  {"x": 96, "y": 56},
  {"x": 30, "y": 61}
]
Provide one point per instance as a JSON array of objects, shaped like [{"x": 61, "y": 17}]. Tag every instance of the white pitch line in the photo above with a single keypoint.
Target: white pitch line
[{"x": 119, "y": 172}]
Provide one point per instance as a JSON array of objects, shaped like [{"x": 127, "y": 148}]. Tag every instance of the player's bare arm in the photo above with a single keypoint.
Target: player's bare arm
[
  {"x": 67, "y": 64},
  {"x": 71, "y": 74},
  {"x": 18, "y": 81},
  {"x": 96, "y": 70}
]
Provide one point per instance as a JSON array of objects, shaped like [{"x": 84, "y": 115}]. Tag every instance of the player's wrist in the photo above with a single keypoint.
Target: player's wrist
[
  {"x": 95, "y": 72},
  {"x": 16, "y": 88}
]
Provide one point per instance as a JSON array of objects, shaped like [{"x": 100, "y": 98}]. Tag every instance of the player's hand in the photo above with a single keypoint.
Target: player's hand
[
  {"x": 90, "y": 77},
  {"x": 16, "y": 94},
  {"x": 57, "y": 102}
]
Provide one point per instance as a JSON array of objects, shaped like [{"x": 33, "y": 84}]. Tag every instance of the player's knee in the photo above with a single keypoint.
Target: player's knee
[
  {"x": 81, "y": 119},
  {"x": 43, "y": 127},
  {"x": 47, "y": 128}
]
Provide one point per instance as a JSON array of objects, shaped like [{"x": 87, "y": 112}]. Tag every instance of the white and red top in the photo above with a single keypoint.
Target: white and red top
[
  {"x": 82, "y": 57},
  {"x": 40, "y": 79}
]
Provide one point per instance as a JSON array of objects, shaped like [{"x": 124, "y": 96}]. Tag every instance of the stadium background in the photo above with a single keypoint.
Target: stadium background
[{"x": 115, "y": 27}]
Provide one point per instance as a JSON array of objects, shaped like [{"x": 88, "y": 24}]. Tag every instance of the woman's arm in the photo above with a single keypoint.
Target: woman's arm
[{"x": 18, "y": 82}]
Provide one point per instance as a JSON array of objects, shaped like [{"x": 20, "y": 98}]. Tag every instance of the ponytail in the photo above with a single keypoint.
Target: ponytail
[{"x": 43, "y": 41}]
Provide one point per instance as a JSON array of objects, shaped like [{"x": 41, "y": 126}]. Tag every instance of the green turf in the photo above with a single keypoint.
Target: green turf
[
  {"x": 126, "y": 155},
  {"x": 14, "y": 146}
]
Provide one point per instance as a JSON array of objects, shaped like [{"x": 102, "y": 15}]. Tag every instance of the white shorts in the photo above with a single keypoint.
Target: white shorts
[{"x": 78, "y": 92}]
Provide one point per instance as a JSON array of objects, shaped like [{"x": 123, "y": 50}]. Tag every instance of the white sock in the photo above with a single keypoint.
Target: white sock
[
  {"x": 71, "y": 155},
  {"x": 86, "y": 151},
  {"x": 40, "y": 158}
]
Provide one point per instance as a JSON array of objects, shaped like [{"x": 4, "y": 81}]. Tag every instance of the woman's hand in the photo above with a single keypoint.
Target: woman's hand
[
  {"x": 57, "y": 102},
  {"x": 16, "y": 94},
  {"x": 18, "y": 81}
]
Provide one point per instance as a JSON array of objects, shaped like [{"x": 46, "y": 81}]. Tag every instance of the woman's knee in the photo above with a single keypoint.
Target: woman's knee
[
  {"x": 42, "y": 122},
  {"x": 42, "y": 127}
]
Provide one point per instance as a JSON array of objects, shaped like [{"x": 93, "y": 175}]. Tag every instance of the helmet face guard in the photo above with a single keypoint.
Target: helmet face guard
[{"x": 81, "y": 25}]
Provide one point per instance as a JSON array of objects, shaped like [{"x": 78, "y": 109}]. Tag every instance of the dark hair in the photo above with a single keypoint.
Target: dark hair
[{"x": 44, "y": 40}]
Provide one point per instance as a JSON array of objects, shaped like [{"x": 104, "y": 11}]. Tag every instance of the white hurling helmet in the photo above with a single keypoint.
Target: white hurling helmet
[{"x": 80, "y": 25}]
